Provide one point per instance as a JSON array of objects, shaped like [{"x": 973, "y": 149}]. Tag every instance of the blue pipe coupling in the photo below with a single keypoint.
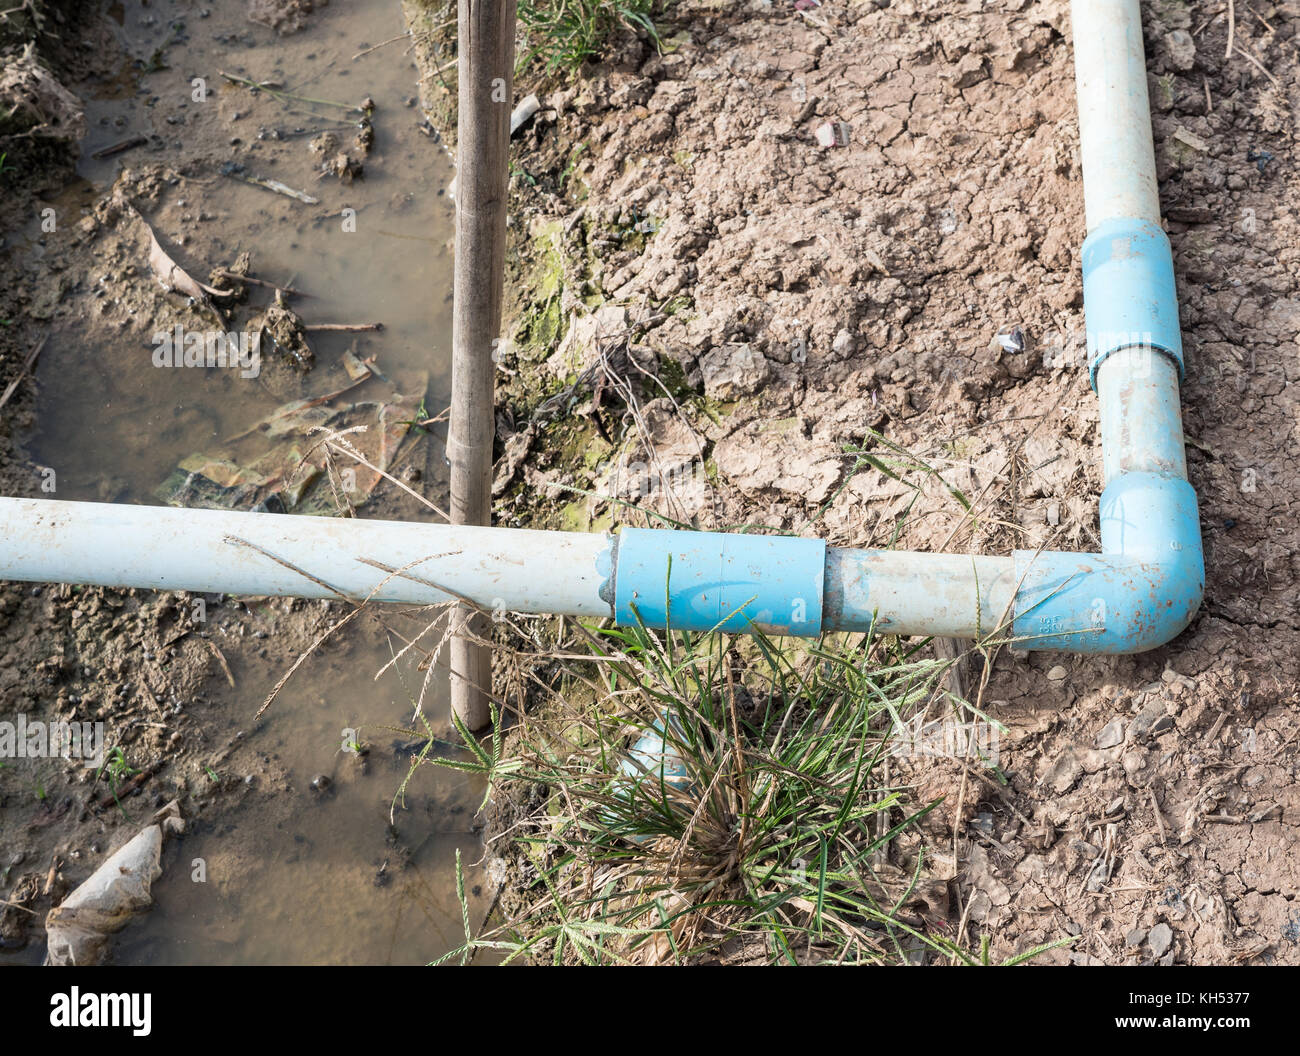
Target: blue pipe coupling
[
  {"x": 705, "y": 581},
  {"x": 1129, "y": 295}
]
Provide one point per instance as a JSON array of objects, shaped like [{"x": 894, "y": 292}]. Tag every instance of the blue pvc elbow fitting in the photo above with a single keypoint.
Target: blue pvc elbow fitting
[{"x": 1138, "y": 594}]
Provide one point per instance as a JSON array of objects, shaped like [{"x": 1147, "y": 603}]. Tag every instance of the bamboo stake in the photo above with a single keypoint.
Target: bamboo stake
[{"x": 485, "y": 47}]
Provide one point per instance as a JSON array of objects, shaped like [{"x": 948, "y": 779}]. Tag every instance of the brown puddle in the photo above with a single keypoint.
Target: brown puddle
[
  {"x": 323, "y": 878},
  {"x": 297, "y": 875}
]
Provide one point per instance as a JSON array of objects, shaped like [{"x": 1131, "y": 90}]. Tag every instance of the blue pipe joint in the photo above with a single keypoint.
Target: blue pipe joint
[
  {"x": 1129, "y": 295},
  {"x": 705, "y": 581},
  {"x": 1140, "y": 593}
]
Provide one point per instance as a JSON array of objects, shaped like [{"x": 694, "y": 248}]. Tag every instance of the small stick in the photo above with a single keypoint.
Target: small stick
[
  {"x": 348, "y": 328},
  {"x": 115, "y": 795},
  {"x": 382, "y": 44},
  {"x": 1155, "y": 809},
  {"x": 273, "y": 185},
  {"x": 31, "y": 358},
  {"x": 118, "y": 148},
  {"x": 1232, "y": 28},
  {"x": 275, "y": 89},
  {"x": 221, "y": 659},
  {"x": 224, "y": 273},
  {"x": 1259, "y": 66}
]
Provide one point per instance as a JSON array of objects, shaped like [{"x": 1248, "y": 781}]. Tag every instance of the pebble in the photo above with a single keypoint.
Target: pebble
[
  {"x": 1111, "y": 734},
  {"x": 320, "y": 782},
  {"x": 1160, "y": 939},
  {"x": 1145, "y": 720},
  {"x": 1182, "y": 49},
  {"x": 1162, "y": 725},
  {"x": 1057, "y": 674}
]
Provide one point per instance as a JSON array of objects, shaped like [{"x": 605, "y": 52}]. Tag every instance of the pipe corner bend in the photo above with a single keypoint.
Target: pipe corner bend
[{"x": 1139, "y": 593}]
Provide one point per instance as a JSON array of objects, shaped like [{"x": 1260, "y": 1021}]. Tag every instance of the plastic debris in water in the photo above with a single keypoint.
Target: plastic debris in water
[
  {"x": 833, "y": 134},
  {"x": 1013, "y": 341}
]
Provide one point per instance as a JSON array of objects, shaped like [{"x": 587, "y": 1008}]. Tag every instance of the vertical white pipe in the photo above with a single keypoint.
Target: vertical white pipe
[
  {"x": 1141, "y": 422},
  {"x": 1119, "y": 169}
]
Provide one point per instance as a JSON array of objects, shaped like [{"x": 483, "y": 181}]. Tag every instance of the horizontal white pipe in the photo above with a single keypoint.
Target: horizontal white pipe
[
  {"x": 215, "y": 551},
  {"x": 904, "y": 592},
  {"x": 1119, "y": 171}
]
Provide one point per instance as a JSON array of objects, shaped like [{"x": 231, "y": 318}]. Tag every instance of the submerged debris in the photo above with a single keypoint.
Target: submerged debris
[
  {"x": 335, "y": 161},
  {"x": 170, "y": 274},
  {"x": 283, "y": 16},
  {"x": 234, "y": 279},
  {"x": 286, "y": 333},
  {"x": 294, "y": 467},
  {"x": 236, "y": 171},
  {"x": 130, "y": 143}
]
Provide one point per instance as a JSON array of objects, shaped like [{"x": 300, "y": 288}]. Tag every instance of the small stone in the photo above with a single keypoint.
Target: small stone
[
  {"x": 1063, "y": 774},
  {"x": 1160, "y": 939},
  {"x": 1012, "y": 341},
  {"x": 1134, "y": 762},
  {"x": 1182, "y": 49},
  {"x": 734, "y": 370},
  {"x": 1192, "y": 140},
  {"x": 969, "y": 71},
  {"x": 1145, "y": 720},
  {"x": 1111, "y": 734},
  {"x": 1053, "y": 513},
  {"x": 1135, "y": 937},
  {"x": 1162, "y": 725},
  {"x": 1057, "y": 674},
  {"x": 320, "y": 783}
]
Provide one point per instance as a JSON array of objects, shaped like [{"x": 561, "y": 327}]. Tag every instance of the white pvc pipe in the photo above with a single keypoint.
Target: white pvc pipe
[
  {"x": 901, "y": 592},
  {"x": 1141, "y": 421},
  {"x": 1141, "y": 591},
  {"x": 1114, "y": 112},
  {"x": 215, "y": 551}
]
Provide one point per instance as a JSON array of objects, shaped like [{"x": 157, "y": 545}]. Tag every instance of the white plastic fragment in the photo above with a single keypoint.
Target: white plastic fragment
[
  {"x": 833, "y": 134},
  {"x": 521, "y": 113},
  {"x": 77, "y": 932}
]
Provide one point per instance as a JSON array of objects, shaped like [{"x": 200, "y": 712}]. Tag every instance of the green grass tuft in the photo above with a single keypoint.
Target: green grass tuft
[{"x": 563, "y": 34}]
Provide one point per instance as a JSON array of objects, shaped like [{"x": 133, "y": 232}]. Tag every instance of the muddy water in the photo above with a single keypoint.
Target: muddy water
[
  {"x": 112, "y": 423},
  {"x": 357, "y": 870},
  {"x": 307, "y": 877}
]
